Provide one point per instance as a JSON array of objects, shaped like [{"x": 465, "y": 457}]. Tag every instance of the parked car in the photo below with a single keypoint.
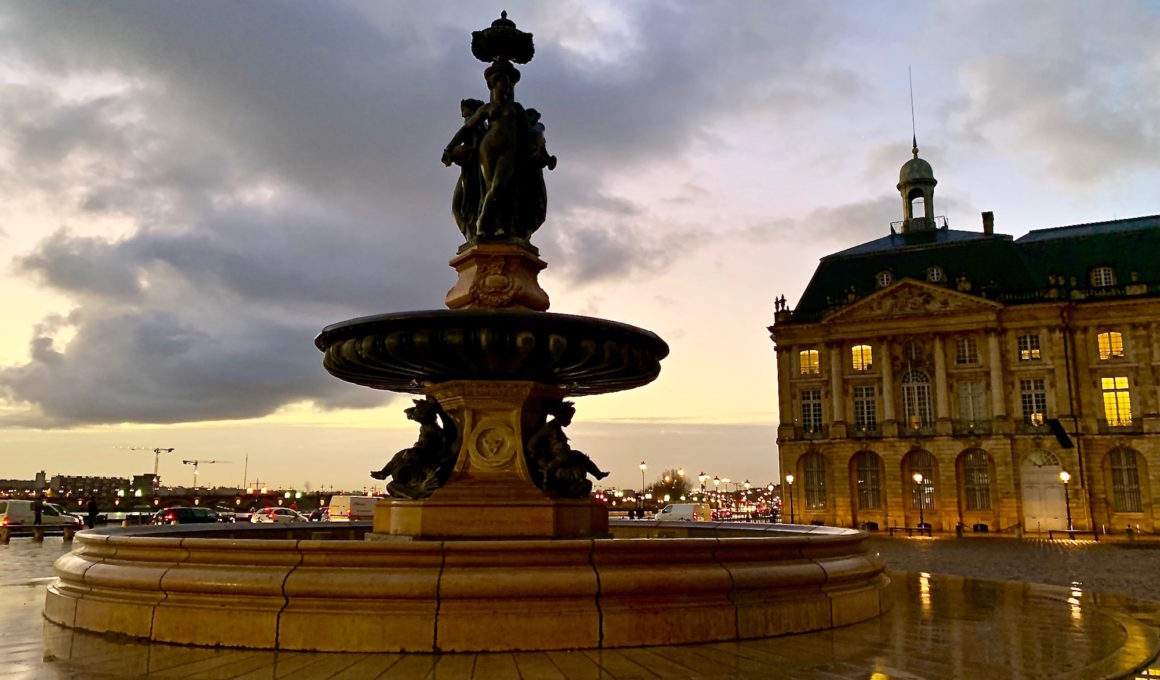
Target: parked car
[
  {"x": 351, "y": 508},
  {"x": 276, "y": 516},
  {"x": 18, "y": 512},
  {"x": 182, "y": 515}
]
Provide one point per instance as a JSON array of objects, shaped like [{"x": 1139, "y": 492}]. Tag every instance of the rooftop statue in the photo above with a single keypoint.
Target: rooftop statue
[{"x": 500, "y": 149}]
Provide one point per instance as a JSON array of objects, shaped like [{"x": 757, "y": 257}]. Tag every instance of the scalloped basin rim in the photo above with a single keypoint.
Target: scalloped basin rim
[
  {"x": 408, "y": 351},
  {"x": 450, "y": 317}
]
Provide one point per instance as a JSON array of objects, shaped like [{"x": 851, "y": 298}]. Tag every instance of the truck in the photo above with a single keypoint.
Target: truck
[
  {"x": 685, "y": 512},
  {"x": 351, "y": 508}
]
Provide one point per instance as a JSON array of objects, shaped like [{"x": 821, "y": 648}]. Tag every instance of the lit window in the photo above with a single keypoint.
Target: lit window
[
  {"x": 1111, "y": 345},
  {"x": 814, "y": 467},
  {"x": 1125, "y": 480},
  {"x": 808, "y": 360},
  {"x": 868, "y": 468},
  {"x": 1033, "y": 397},
  {"x": 1117, "y": 402},
  {"x": 1028, "y": 348},
  {"x": 935, "y": 274},
  {"x": 884, "y": 278},
  {"x": 1103, "y": 276},
  {"x": 865, "y": 408},
  {"x": 811, "y": 410},
  {"x": 863, "y": 357},
  {"x": 966, "y": 352},
  {"x": 972, "y": 402},
  {"x": 916, "y": 405},
  {"x": 977, "y": 479}
]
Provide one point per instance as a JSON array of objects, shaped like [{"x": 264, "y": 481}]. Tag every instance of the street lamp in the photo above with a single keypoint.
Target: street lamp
[
  {"x": 701, "y": 478},
  {"x": 643, "y": 467},
  {"x": 1065, "y": 477},
  {"x": 789, "y": 483},
  {"x": 917, "y": 477}
]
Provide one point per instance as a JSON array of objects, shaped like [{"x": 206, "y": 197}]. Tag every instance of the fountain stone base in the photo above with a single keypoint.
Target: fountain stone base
[{"x": 490, "y": 493}]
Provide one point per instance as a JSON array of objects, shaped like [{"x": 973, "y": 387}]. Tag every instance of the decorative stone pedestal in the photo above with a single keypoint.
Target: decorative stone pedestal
[
  {"x": 491, "y": 494},
  {"x": 497, "y": 276}
]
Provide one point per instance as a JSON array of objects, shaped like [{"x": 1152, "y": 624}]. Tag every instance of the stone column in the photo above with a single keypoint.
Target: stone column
[
  {"x": 887, "y": 365},
  {"x": 942, "y": 404},
  {"x": 784, "y": 375},
  {"x": 995, "y": 359},
  {"x": 838, "y": 393},
  {"x": 837, "y": 387}
]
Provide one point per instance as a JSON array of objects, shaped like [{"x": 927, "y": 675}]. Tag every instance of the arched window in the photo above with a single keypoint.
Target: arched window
[
  {"x": 1111, "y": 345},
  {"x": 917, "y": 205},
  {"x": 861, "y": 358},
  {"x": 868, "y": 480},
  {"x": 922, "y": 462},
  {"x": 1103, "y": 277},
  {"x": 916, "y": 406},
  {"x": 977, "y": 479},
  {"x": 1125, "y": 480},
  {"x": 814, "y": 471},
  {"x": 966, "y": 352}
]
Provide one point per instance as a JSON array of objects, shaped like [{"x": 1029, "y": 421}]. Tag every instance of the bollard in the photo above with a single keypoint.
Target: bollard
[
  {"x": 5, "y": 535},
  {"x": 1131, "y": 533},
  {"x": 38, "y": 534},
  {"x": 959, "y": 530},
  {"x": 1019, "y": 532},
  {"x": 68, "y": 533}
]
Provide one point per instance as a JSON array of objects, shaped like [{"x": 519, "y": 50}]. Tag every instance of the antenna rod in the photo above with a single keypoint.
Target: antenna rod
[{"x": 913, "y": 133}]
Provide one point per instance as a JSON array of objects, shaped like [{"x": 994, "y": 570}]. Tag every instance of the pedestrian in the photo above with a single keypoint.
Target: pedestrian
[
  {"x": 37, "y": 508},
  {"x": 91, "y": 520}
]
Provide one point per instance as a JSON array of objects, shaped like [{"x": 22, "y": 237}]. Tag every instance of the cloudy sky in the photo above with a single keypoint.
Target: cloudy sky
[{"x": 189, "y": 192}]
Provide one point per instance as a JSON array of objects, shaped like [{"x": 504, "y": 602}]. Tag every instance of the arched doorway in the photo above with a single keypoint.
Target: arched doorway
[{"x": 1044, "y": 506}]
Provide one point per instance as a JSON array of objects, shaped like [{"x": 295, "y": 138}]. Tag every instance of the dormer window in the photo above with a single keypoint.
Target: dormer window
[
  {"x": 884, "y": 278},
  {"x": 1103, "y": 277},
  {"x": 935, "y": 274}
]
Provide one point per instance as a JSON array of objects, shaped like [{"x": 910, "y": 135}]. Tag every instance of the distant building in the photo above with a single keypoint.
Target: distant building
[
  {"x": 986, "y": 364},
  {"x": 81, "y": 485}
]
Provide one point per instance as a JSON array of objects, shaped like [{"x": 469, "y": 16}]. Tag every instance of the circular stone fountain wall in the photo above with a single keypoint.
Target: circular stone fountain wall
[{"x": 326, "y": 589}]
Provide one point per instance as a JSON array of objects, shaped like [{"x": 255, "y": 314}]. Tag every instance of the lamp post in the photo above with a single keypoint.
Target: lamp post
[
  {"x": 917, "y": 477},
  {"x": 643, "y": 467},
  {"x": 1065, "y": 477},
  {"x": 701, "y": 478},
  {"x": 789, "y": 483}
]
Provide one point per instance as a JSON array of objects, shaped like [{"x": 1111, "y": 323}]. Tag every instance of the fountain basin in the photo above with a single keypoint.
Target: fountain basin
[
  {"x": 323, "y": 588},
  {"x": 404, "y": 352}
]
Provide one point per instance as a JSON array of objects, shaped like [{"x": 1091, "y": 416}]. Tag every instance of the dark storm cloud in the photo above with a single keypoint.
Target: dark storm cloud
[{"x": 278, "y": 164}]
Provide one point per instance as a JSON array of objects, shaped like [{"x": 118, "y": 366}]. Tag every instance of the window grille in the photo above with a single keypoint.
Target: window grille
[
  {"x": 812, "y": 410},
  {"x": 1125, "y": 481},
  {"x": 977, "y": 480},
  {"x": 814, "y": 468},
  {"x": 1028, "y": 348},
  {"x": 868, "y": 479}
]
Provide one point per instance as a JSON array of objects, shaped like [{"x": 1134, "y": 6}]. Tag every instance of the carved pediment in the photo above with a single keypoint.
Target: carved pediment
[{"x": 910, "y": 298}]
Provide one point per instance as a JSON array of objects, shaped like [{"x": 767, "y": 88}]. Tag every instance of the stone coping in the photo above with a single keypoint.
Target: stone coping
[
  {"x": 939, "y": 627},
  {"x": 318, "y": 587}
]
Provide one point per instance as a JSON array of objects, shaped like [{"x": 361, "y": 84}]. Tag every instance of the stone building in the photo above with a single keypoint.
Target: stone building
[{"x": 986, "y": 364}]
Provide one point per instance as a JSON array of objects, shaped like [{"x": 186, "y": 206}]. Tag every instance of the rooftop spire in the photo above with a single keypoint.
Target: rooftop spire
[{"x": 913, "y": 133}]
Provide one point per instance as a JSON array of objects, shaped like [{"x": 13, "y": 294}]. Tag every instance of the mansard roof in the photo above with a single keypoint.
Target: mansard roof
[{"x": 1044, "y": 264}]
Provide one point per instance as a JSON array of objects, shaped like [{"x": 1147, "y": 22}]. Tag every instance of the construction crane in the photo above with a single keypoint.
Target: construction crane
[
  {"x": 156, "y": 455},
  {"x": 195, "y": 463}
]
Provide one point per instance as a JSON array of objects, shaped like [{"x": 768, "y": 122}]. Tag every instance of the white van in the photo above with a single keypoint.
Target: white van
[
  {"x": 351, "y": 508},
  {"x": 19, "y": 513},
  {"x": 685, "y": 512}
]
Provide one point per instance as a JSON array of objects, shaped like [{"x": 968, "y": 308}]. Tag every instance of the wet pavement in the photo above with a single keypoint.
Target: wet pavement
[{"x": 939, "y": 627}]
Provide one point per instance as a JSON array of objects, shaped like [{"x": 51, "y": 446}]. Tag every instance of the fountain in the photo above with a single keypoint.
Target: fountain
[{"x": 490, "y": 539}]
